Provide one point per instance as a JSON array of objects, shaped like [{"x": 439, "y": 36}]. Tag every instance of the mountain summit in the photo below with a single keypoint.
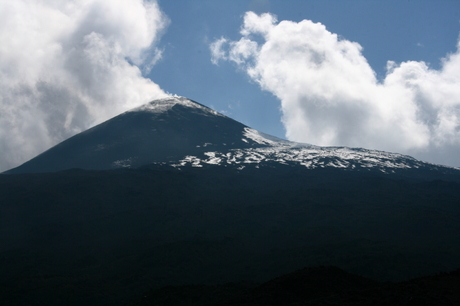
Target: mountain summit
[
  {"x": 179, "y": 132},
  {"x": 164, "y": 130}
]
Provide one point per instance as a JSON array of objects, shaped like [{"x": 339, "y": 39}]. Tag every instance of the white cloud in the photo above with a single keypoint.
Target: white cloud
[
  {"x": 216, "y": 50},
  {"x": 330, "y": 95},
  {"x": 67, "y": 65}
]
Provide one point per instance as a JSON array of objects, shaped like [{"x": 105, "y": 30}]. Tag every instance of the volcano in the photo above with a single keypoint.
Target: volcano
[
  {"x": 177, "y": 131},
  {"x": 164, "y": 130},
  {"x": 174, "y": 193}
]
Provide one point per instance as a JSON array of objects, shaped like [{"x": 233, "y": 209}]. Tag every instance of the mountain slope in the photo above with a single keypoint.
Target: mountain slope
[
  {"x": 161, "y": 131},
  {"x": 178, "y": 131}
]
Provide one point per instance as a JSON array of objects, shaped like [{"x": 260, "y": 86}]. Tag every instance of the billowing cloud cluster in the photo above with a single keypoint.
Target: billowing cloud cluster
[
  {"x": 330, "y": 95},
  {"x": 67, "y": 65}
]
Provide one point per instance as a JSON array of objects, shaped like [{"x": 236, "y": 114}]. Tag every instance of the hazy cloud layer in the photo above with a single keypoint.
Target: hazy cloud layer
[
  {"x": 330, "y": 95},
  {"x": 67, "y": 65}
]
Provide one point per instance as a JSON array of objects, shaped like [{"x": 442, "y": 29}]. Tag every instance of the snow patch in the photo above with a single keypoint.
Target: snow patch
[
  {"x": 163, "y": 105},
  {"x": 212, "y": 158},
  {"x": 261, "y": 138},
  {"x": 123, "y": 163},
  {"x": 191, "y": 160}
]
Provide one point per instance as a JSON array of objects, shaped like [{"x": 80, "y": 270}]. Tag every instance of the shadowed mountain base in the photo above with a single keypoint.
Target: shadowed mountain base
[
  {"x": 314, "y": 287},
  {"x": 176, "y": 194},
  {"x": 103, "y": 237}
]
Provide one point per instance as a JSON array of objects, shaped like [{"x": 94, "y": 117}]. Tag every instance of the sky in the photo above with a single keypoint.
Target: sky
[{"x": 375, "y": 74}]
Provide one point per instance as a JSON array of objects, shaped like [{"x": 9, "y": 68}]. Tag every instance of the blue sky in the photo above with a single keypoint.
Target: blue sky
[
  {"x": 387, "y": 30},
  {"x": 309, "y": 71}
]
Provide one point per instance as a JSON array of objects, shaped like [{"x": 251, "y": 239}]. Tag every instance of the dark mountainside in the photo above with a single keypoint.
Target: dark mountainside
[
  {"x": 156, "y": 132},
  {"x": 314, "y": 287},
  {"x": 175, "y": 194}
]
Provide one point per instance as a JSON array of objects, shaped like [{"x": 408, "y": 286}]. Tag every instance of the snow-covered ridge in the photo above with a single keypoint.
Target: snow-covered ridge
[
  {"x": 309, "y": 156},
  {"x": 163, "y": 105},
  {"x": 262, "y": 138},
  {"x": 273, "y": 149},
  {"x": 269, "y": 149}
]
